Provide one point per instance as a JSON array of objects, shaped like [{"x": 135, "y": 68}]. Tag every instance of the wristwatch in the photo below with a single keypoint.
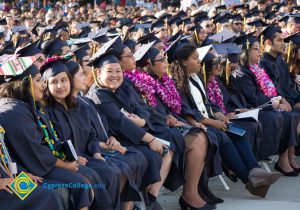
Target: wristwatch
[{"x": 237, "y": 111}]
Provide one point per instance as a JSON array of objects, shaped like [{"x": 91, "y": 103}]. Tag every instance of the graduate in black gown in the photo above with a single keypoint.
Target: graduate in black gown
[
  {"x": 140, "y": 83},
  {"x": 129, "y": 127},
  {"x": 129, "y": 160},
  {"x": 71, "y": 123},
  {"x": 259, "y": 92},
  {"x": 235, "y": 151},
  {"x": 20, "y": 97},
  {"x": 39, "y": 198}
]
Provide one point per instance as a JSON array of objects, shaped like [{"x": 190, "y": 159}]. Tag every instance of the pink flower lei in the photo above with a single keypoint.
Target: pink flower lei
[
  {"x": 148, "y": 86},
  {"x": 215, "y": 95},
  {"x": 265, "y": 83}
]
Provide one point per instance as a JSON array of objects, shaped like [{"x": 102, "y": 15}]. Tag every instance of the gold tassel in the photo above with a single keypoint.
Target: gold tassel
[
  {"x": 262, "y": 46},
  {"x": 245, "y": 21},
  {"x": 197, "y": 37},
  {"x": 167, "y": 27},
  {"x": 32, "y": 91},
  {"x": 183, "y": 27},
  {"x": 248, "y": 44},
  {"x": 204, "y": 74},
  {"x": 289, "y": 52},
  {"x": 227, "y": 71}
]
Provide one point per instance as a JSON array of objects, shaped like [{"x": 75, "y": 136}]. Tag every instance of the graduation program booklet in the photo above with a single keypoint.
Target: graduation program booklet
[
  {"x": 69, "y": 150},
  {"x": 232, "y": 128},
  {"x": 252, "y": 114}
]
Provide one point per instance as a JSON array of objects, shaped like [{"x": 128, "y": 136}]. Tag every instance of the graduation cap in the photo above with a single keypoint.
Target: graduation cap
[
  {"x": 144, "y": 25},
  {"x": 54, "y": 65},
  {"x": 19, "y": 29},
  {"x": 29, "y": 50},
  {"x": 172, "y": 50},
  {"x": 149, "y": 38},
  {"x": 293, "y": 18},
  {"x": 271, "y": 15},
  {"x": 18, "y": 68},
  {"x": 196, "y": 28},
  {"x": 55, "y": 47},
  {"x": 166, "y": 16},
  {"x": 221, "y": 8},
  {"x": 222, "y": 19},
  {"x": 82, "y": 25},
  {"x": 73, "y": 67},
  {"x": 233, "y": 53},
  {"x": 158, "y": 24},
  {"x": 240, "y": 7},
  {"x": 268, "y": 31},
  {"x": 81, "y": 53},
  {"x": 200, "y": 17},
  {"x": 175, "y": 36},
  {"x": 202, "y": 51},
  {"x": 247, "y": 39},
  {"x": 182, "y": 14},
  {"x": 252, "y": 13},
  {"x": 257, "y": 23},
  {"x": 103, "y": 49},
  {"x": 125, "y": 22},
  {"x": 292, "y": 39},
  {"x": 78, "y": 41},
  {"x": 223, "y": 36},
  {"x": 105, "y": 58},
  {"x": 235, "y": 18},
  {"x": 146, "y": 18},
  {"x": 174, "y": 20},
  {"x": 96, "y": 34},
  {"x": 131, "y": 44},
  {"x": 142, "y": 50}
]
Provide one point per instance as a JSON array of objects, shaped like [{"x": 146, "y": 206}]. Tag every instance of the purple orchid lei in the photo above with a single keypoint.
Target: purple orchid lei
[
  {"x": 215, "y": 94},
  {"x": 148, "y": 86},
  {"x": 265, "y": 83}
]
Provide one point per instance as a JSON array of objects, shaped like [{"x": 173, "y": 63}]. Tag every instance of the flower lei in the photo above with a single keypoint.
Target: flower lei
[
  {"x": 215, "y": 94},
  {"x": 265, "y": 83},
  {"x": 51, "y": 142},
  {"x": 148, "y": 87}
]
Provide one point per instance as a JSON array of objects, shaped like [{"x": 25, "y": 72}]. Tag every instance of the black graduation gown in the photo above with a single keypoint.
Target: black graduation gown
[
  {"x": 158, "y": 120},
  {"x": 75, "y": 125},
  {"x": 281, "y": 125},
  {"x": 128, "y": 133},
  {"x": 26, "y": 145},
  {"x": 277, "y": 69},
  {"x": 39, "y": 198},
  {"x": 176, "y": 175},
  {"x": 133, "y": 163}
]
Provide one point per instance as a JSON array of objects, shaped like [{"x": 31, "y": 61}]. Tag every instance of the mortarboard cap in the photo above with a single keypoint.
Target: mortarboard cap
[
  {"x": 257, "y": 23},
  {"x": 182, "y": 14},
  {"x": 107, "y": 57},
  {"x": 242, "y": 40},
  {"x": 222, "y": 19},
  {"x": 73, "y": 67},
  {"x": 235, "y": 18},
  {"x": 172, "y": 50},
  {"x": 174, "y": 20},
  {"x": 158, "y": 24},
  {"x": 223, "y": 36},
  {"x": 149, "y": 38},
  {"x": 196, "y": 28},
  {"x": 271, "y": 15},
  {"x": 55, "y": 47},
  {"x": 19, "y": 29},
  {"x": 29, "y": 50},
  {"x": 221, "y": 8},
  {"x": 142, "y": 50},
  {"x": 131, "y": 44},
  {"x": 294, "y": 38},
  {"x": 268, "y": 31},
  {"x": 202, "y": 51},
  {"x": 200, "y": 18},
  {"x": 18, "y": 68},
  {"x": 240, "y": 7},
  {"x": 253, "y": 13},
  {"x": 55, "y": 65}
]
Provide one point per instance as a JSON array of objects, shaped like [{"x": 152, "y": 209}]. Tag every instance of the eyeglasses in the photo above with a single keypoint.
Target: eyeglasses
[
  {"x": 160, "y": 60},
  {"x": 127, "y": 56},
  {"x": 238, "y": 23}
]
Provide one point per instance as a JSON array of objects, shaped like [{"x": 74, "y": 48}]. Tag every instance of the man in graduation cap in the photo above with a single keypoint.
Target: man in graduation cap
[{"x": 276, "y": 67}]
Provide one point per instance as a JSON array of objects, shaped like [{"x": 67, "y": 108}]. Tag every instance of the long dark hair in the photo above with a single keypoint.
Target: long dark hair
[
  {"x": 18, "y": 89},
  {"x": 178, "y": 70},
  {"x": 294, "y": 63},
  {"x": 70, "y": 100}
]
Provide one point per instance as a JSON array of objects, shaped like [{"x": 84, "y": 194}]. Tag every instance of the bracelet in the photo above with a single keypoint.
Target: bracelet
[{"x": 151, "y": 140}]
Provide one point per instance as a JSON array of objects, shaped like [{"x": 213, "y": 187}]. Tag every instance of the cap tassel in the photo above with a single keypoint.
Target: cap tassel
[
  {"x": 262, "y": 46},
  {"x": 167, "y": 27},
  {"x": 227, "y": 71},
  {"x": 245, "y": 21},
  {"x": 197, "y": 37},
  {"x": 289, "y": 52},
  {"x": 204, "y": 74},
  {"x": 32, "y": 91}
]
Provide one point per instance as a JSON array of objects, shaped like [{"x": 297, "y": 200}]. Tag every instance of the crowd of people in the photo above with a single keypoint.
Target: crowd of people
[{"x": 148, "y": 98}]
